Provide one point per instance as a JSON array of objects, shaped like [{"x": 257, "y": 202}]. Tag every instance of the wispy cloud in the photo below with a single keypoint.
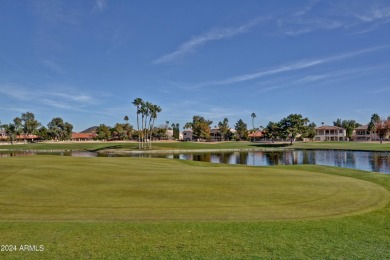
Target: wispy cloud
[
  {"x": 53, "y": 66},
  {"x": 69, "y": 99},
  {"x": 283, "y": 68},
  {"x": 57, "y": 104},
  {"x": 314, "y": 80},
  {"x": 56, "y": 12},
  {"x": 79, "y": 98},
  {"x": 306, "y": 9},
  {"x": 372, "y": 18},
  {"x": 213, "y": 35},
  {"x": 16, "y": 92},
  {"x": 381, "y": 90},
  {"x": 100, "y": 5},
  {"x": 374, "y": 14},
  {"x": 348, "y": 16},
  {"x": 299, "y": 65}
]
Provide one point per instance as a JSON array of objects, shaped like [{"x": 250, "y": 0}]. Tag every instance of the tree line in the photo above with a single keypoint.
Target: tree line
[
  {"x": 292, "y": 127},
  {"x": 26, "y": 125}
]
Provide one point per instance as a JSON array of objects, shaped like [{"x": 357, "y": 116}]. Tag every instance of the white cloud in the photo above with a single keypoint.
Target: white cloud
[
  {"x": 216, "y": 34},
  {"x": 299, "y": 65}
]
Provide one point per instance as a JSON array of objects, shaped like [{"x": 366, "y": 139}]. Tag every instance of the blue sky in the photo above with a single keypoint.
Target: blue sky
[{"x": 86, "y": 61}]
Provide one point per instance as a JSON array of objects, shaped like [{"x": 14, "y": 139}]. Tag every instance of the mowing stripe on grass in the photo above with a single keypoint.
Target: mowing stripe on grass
[{"x": 49, "y": 188}]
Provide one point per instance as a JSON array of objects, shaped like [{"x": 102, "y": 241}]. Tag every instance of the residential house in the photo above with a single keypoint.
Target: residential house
[
  {"x": 3, "y": 136},
  {"x": 215, "y": 135},
  {"x": 362, "y": 133},
  {"x": 187, "y": 135},
  {"x": 169, "y": 134},
  {"x": 255, "y": 136},
  {"x": 330, "y": 133},
  {"x": 22, "y": 137},
  {"x": 83, "y": 136}
]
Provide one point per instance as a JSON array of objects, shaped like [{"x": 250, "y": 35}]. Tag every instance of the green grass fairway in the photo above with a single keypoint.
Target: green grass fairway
[
  {"x": 121, "y": 208},
  {"x": 130, "y": 189},
  {"x": 112, "y": 146}
]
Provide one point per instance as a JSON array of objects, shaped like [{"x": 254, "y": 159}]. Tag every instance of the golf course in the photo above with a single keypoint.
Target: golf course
[{"x": 124, "y": 208}]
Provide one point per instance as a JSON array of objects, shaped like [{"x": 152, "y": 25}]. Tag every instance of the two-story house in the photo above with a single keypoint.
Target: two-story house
[
  {"x": 363, "y": 134},
  {"x": 330, "y": 133}
]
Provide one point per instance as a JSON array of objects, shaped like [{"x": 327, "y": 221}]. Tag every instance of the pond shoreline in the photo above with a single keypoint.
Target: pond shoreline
[{"x": 175, "y": 151}]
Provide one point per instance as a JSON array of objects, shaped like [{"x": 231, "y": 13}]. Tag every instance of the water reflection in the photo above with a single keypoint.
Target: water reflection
[{"x": 368, "y": 161}]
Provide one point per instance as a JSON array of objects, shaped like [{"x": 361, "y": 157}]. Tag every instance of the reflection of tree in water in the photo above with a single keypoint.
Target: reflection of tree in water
[
  {"x": 214, "y": 157},
  {"x": 243, "y": 158},
  {"x": 340, "y": 159},
  {"x": 272, "y": 158},
  {"x": 308, "y": 157},
  {"x": 287, "y": 158},
  {"x": 205, "y": 157},
  {"x": 16, "y": 154},
  {"x": 351, "y": 160},
  {"x": 225, "y": 158},
  {"x": 335, "y": 158},
  {"x": 380, "y": 162}
]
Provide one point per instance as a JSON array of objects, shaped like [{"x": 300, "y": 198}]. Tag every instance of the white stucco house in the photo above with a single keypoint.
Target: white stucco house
[{"x": 330, "y": 133}]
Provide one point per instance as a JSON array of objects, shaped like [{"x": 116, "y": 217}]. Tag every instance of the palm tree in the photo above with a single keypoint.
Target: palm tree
[
  {"x": 155, "y": 109},
  {"x": 253, "y": 115},
  {"x": 148, "y": 125},
  {"x": 144, "y": 110},
  {"x": 138, "y": 102},
  {"x": 126, "y": 119}
]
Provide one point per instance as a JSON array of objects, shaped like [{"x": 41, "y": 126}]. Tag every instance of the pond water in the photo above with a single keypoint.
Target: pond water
[{"x": 367, "y": 161}]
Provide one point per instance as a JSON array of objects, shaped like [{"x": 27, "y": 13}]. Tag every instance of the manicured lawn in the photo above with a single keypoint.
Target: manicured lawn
[
  {"x": 159, "y": 208},
  {"x": 100, "y": 146}
]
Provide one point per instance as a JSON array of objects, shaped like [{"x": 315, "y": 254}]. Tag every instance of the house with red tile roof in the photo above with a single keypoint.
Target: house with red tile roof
[
  {"x": 330, "y": 133},
  {"x": 83, "y": 136},
  {"x": 255, "y": 136}
]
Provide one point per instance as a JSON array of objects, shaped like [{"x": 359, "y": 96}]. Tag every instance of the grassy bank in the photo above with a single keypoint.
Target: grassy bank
[
  {"x": 158, "y": 208},
  {"x": 101, "y": 146}
]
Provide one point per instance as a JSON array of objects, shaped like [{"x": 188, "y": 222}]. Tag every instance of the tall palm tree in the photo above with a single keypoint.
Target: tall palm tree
[
  {"x": 253, "y": 115},
  {"x": 144, "y": 110},
  {"x": 138, "y": 102},
  {"x": 148, "y": 125},
  {"x": 155, "y": 110}
]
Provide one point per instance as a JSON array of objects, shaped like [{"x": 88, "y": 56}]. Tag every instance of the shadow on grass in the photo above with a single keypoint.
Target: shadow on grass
[
  {"x": 270, "y": 145},
  {"x": 110, "y": 147}
]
